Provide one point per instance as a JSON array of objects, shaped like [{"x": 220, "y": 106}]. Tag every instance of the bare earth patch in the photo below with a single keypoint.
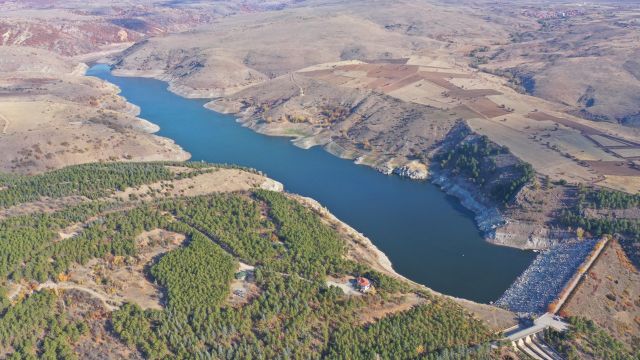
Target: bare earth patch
[
  {"x": 220, "y": 180},
  {"x": 120, "y": 282},
  {"x": 41, "y": 206},
  {"x": 378, "y": 310}
]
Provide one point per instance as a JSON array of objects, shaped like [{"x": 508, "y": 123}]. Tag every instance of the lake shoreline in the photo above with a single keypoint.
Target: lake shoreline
[
  {"x": 487, "y": 217},
  {"x": 443, "y": 284}
]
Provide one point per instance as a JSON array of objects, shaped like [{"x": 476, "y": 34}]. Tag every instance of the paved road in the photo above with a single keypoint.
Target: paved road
[{"x": 539, "y": 324}]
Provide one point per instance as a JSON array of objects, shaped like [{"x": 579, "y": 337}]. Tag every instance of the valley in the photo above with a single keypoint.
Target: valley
[{"x": 506, "y": 127}]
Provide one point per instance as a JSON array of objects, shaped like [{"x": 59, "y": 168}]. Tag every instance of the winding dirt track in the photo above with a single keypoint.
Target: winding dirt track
[
  {"x": 6, "y": 123},
  {"x": 66, "y": 285},
  {"x": 296, "y": 83}
]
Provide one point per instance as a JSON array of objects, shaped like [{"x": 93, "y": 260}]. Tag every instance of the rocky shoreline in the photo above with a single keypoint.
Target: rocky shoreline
[
  {"x": 306, "y": 139},
  {"x": 497, "y": 228},
  {"x": 488, "y": 219}
]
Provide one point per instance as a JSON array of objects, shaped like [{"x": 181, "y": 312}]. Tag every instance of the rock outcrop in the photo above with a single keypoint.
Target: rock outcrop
[
  {"x": 413, "y": 170},
  {"x": 488, "y": 218}
]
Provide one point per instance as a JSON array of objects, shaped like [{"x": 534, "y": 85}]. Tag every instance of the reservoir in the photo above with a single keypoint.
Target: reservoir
[{"x": 428, "y": 236}]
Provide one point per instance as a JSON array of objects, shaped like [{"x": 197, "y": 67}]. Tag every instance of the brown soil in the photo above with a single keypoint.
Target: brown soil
[
  {"x": 620, "y": 168},
  {"x": 242, "y": 292},
  {"x": 53, "y": 116},
  {"x": 402, "y": 83},
  {"x": 121, "y": 282},
  {"x": 220, "y": 180},
  {"x": 41, "y": 206},
  {"x": 472, "y": 93},
  {"x": 487, "y": 107},
  {"x": 100, "y": 343},
  {"x": 379, "y": 309}
]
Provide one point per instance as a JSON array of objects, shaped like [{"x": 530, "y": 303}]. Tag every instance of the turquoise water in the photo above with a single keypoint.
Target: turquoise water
[{"x": 429, "y": 237}]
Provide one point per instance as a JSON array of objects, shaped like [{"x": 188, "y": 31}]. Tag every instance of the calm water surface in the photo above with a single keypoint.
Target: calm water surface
[{"x": 429, "y": 237}]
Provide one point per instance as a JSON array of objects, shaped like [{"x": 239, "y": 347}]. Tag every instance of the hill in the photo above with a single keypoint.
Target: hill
[{"x": 183, "y": 260}]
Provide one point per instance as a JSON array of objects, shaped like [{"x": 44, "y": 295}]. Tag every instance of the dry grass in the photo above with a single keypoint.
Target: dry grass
[
  {"x": 52, "y": 116},
  {"x": 610, "y": 295},
  {"x": 220, "y": 180},
  {"x": 120, "y": 282}
]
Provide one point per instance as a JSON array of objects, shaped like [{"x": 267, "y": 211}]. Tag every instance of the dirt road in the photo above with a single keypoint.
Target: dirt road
[
  {"x": 5, "y": 124},
  {"x": 106, "y": 301}
]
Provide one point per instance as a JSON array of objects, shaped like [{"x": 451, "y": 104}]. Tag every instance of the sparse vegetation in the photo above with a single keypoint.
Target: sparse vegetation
[
  {"x": 91, "y": 180},
  {"x": 602, "y": 199},
  {"x": 586, "y": 338}
]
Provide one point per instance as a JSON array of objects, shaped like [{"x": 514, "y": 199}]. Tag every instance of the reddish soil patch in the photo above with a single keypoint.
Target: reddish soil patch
[
  {"x": 378, "y": 310},
  {"x": 388, "y": 61},
  {"x": 487, "y": 108},
  {"x": 443, "y": 83},
  {"x": 392, "y": 71},
  {"x": 440, "y": 78},
  {"x": 354, "y": 67},
  {"x": 336, "y": 79},
  {"x": 472, "y": 93},
  {"x": 609, "y": 293},
  {"x": 402, "y": 83},
  {"x": 619, "y": 168},
  {"x": 378, "y": 83}
]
